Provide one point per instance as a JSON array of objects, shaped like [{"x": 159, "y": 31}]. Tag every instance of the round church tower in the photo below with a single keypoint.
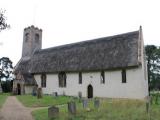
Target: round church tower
[{"x": 32, "y": 41}]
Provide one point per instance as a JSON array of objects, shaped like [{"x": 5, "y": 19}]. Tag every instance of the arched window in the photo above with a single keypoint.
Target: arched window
[
  {"x": 43, "y": 80},
  {"x": 90, "y": 91},
  {"x": 26, "y": 37},
  {"x": 36, "y": 38},
  {"x": 62, "y": 79}
]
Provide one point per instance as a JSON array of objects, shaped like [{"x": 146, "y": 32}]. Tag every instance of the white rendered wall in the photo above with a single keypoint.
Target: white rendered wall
[
  {"x": 28, "y": 89},
  {"x": 135, "y": 87}
]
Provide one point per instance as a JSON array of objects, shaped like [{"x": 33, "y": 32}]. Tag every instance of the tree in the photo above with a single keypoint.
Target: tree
[
  {"x": 3, "y": 24},
  {"x": 153, "y": 64},
  {"x": 6, "y": 74},
  {"x": 6, "y": 68},
  {"x": 6, "y": 86}
]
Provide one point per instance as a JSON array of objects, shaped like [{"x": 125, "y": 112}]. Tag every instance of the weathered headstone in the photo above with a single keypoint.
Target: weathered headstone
[
  {"x": 96, "y": 103},
  {"x": 53, "y": 112},
  {"x": 85, "y": 103},
  {"x": 54, "y": 94},
  {"x": 147, "y": 107},
  {"x": 39, "y": 93},
  {"x": 80, "y": 95},
  {"x": 148, "y": 103},
  {"x": 72, "y": 107},
  {"x": 64, "y": 94},
  {"x": 34, "y": 92}
]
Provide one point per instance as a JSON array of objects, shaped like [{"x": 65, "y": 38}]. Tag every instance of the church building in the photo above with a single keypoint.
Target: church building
[{"x": 109, "y": 67}]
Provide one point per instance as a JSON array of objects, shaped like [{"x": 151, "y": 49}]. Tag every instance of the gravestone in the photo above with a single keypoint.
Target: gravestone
[
  {"x": 147, "y": 107},
  {"x": 96, "y": 103},
  {"x": 64, "y": 94},
  {"x": 39, "y": 93},
  {"x": 148, "y": 103},
  {"x": 34, "y": 92},
  {"x": 54, "y": 94},
  {"x": 72, "y": 107},
  {"x": 53, "y": 112},
  {"x": 80, "y": 95},
  {"x": 85, "y": 103}
]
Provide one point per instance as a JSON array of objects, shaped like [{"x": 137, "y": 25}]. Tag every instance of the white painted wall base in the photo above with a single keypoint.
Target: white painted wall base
[
  {"x": 136, "y": 86},
  {"x": 28, "y": 89}
]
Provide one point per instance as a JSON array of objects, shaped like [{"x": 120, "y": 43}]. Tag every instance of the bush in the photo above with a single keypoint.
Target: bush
[{"x": 6, "y": 86}]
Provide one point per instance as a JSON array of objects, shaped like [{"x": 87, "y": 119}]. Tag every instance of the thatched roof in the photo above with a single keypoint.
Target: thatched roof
[
  {"x": 112, "y": 52},
  {"x": 29, "y": 79}
]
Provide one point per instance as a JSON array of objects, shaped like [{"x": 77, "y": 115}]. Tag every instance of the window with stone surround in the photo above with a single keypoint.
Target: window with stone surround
[
  {"x": 62, "y": 79},
  {"x": 36, "y": 38},
  {"x": 102, "y": 77},
  {"x": 124, "y": 80},
  {"x": 80, "y": 77},
  {"x": 43, "y": 80}
]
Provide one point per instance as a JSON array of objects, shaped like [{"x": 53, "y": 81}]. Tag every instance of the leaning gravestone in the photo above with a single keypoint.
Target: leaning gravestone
[
  {"x": 72, "y": 107},
  {"x": 53, "y": 112},
  {"x": 39, "y": 93},
  {"x": 96, "y": 103},
  {"x": 85, "y": 103}
]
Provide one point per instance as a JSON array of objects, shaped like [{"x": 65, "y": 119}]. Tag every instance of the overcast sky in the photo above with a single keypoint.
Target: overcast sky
[{"x": 68, "y": 21}]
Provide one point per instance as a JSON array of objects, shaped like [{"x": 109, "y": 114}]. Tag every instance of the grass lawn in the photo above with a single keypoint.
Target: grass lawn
[
  {"x": 32, "y": 101},
  {"x": 3, "y": 97},
  {"x": 110, "y": 109}
]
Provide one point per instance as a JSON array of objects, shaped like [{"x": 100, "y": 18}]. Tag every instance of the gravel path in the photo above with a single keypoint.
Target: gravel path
[{"x": 14, "y": 110}]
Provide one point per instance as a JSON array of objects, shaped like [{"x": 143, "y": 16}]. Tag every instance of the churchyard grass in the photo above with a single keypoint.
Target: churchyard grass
[
  {"x": 3, "y": 97},
  {"x": 110, "y": 109},
  {"x": 47, "y": 100}
]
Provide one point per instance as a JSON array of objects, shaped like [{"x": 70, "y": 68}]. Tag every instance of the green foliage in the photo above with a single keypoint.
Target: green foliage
[
  {"x": 41, "y": 114},
  {"x": 3, "y": 97},
  {"x": 153, "y": 64},
  {"x": 155, "y": 95},
  {"x": 47, "y": 100},
  {"x": 6, "y": 72},
  {"x": 7, "y": 86},
  {"x": 109, "y": 110},
  {"x": 6, "y": 68}
]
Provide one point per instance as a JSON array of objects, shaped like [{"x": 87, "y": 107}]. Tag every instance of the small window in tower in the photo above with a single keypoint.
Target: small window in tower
[
  {"x": 36, "y": 38},
  {"x": 26, "y": 37}
]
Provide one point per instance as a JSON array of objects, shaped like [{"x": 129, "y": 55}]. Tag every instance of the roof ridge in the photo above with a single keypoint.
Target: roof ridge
[{"x": 85, "y": 41}]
